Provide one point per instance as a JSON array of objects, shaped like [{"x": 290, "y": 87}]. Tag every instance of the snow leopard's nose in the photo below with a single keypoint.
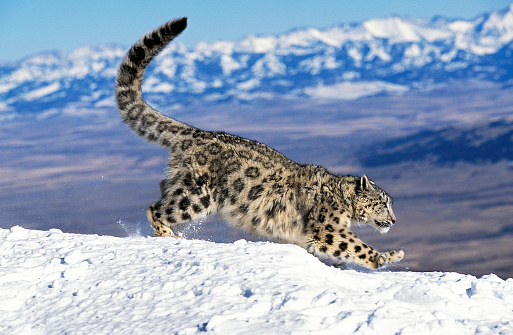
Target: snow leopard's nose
[{"x": 392, "y": 217}]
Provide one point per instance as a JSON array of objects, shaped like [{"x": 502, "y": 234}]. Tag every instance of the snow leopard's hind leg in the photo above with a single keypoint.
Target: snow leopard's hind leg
[
  {"x": 159, "y": 227},
  {"x": 183, "y": 201}
]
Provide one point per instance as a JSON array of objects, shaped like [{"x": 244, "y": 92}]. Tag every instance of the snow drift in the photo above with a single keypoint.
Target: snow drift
[{"x": 56, "y": 283}]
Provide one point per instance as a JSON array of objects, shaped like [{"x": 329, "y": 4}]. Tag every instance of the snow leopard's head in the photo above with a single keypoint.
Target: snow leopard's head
[{"x": 373, "y": 206}]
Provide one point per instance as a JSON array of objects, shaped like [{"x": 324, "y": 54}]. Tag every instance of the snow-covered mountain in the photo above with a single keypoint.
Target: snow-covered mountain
[
  {"x": 57, "y": 283},
  {"x": 347, "y": 61}
]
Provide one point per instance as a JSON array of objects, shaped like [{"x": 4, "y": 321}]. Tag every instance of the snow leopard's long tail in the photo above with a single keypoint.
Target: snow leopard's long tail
[{"x": 135, "y": 112}]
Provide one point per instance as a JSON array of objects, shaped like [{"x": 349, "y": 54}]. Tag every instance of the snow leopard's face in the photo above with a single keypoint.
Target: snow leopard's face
[{"x": 373, "y": 206}]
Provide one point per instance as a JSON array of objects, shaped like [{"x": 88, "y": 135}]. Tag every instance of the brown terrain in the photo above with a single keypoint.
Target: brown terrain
[{"x": 94, "y": 176}]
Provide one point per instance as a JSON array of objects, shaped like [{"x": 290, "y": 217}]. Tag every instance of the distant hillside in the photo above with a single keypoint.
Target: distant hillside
[{"x": 482, "y": 143}]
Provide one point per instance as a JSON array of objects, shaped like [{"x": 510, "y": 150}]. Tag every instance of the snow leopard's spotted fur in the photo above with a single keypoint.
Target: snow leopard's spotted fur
[{"x": 251, "y": 185}]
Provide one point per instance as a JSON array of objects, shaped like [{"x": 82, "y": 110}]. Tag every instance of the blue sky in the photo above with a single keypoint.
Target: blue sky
[{"x": 31, "y": 26}]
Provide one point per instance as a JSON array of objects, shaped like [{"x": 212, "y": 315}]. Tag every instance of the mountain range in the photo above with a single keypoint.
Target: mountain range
[{"x": 347, "y": 61}]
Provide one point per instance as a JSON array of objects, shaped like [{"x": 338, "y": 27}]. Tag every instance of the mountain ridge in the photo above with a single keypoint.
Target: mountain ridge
[{"x": 389, "y": 55}]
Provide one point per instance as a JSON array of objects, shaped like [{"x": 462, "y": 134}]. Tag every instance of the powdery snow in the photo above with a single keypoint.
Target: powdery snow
[{"x": 57, "y": 283}]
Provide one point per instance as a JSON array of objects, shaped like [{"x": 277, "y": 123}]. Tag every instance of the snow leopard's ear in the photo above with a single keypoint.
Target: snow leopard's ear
[{"x": 364, "y": 184}]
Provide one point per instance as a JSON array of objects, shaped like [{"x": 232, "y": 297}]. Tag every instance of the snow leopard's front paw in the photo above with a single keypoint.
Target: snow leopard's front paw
[{"x": 389, "y": 257}]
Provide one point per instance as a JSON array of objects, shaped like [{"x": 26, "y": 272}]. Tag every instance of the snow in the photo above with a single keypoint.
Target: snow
[
  {"x": 248, "y": 85},
  {"x": 393, "y": 28},
  {"x": 41, "y": 92},
  {"x": 7, "y": 87},
  {"x": 154, "y": 85},
  {"x": 399, "y": 29},
  {"x": 353, "y": 90},
  {"x": 57, "y": 283},
  {"x": 461, "y": 26},
  {"x": 254, "y": 44},
  {"x": 268, "y": 66},
  {"x": 228, "y": 65},
  {"x": 500, "y": 24},
  {"x": 97, "y": 52}
]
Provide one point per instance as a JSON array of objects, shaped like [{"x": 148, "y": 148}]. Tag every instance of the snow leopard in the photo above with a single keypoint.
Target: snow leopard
[{"x": 252, "y": 186}]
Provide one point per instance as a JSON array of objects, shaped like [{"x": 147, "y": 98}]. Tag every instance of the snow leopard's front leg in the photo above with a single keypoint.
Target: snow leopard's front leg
[{"x": 343, "y": 246}]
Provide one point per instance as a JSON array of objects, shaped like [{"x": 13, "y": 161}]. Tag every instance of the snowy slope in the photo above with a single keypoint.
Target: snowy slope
[
  {"x": 347, "y": 61},
  {"x": 56, "y": 283}
]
